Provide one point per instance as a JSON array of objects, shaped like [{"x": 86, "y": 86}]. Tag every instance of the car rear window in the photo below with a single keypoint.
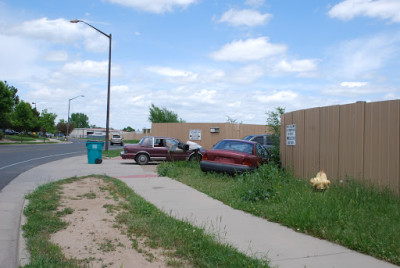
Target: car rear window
[{"x": 235, "y": 146}]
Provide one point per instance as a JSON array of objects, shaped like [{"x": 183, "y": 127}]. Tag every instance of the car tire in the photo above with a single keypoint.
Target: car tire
[
  {"x": 195, "y": 157},
  {"x": 142, "y": 159}
]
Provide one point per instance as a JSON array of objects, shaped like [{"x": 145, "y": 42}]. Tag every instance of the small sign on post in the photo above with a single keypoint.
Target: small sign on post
[
  {"x": 195, "y": 134},
  {"x": 291, "y": 135}
]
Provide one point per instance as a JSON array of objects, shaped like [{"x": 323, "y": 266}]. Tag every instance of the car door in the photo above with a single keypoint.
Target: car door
[
  {"x": 262, "y": 153},
  {"x": 159, "y": 151},
  {"x": 174, "y": 152}
]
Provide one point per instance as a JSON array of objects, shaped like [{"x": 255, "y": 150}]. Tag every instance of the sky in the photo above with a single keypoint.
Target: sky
[{"x": 206, "y": 60}]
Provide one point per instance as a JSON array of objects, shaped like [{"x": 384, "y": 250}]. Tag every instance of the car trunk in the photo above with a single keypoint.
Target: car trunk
[{"x": 228, "y": 157}]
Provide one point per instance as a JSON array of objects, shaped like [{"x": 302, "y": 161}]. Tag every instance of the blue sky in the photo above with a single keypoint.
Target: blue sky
[{"x": 206, "y": 60}]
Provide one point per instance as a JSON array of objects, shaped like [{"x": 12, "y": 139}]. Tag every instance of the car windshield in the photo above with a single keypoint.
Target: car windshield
[{"x": 238, "y": 146}]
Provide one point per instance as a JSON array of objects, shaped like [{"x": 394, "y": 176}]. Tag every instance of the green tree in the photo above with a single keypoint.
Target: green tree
[
  {"x": 80, "y": 120},
  {"x": 128, "y": 129},
  {"x": 163, "y": 115},
  {"x": 8, "y": 100},
  {"x": 274, "y": 122},
  {"x": 47, "y": 122},
  {"x": 62, "y": 127},
  {"x": 36, "y": 120},
  {"x": 23, "y": 118}
]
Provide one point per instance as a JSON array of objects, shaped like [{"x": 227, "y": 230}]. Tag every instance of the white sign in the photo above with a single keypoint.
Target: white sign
[
  {"x": 291, "y": 135},
  {"x": 195, "y": 134}
]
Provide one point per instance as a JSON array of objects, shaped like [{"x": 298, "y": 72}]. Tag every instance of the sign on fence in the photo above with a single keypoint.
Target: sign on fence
[
  {"x": 195, "y": 134},
  {"x": 291, "y": 135}
]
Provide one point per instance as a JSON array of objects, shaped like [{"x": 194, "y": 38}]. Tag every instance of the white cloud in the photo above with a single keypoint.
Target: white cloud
[
  {"x": 248, "y": 50},
  {"x": 57, "y": 56},
  {"x": 248, "y": 74},
  {"x": 361, "y": 58},
  {"x": 167, "y": 71},
  {"x": 120, "y": 89},
  {"x": 383, "y": 9},
  {"x": 278, "y": 97},
  {"x": 353, "y": 84},
  {"x": 245, "y": 17},
  {"x": 356, "y": 89},
  {"x": 91, "y": 68},
  {"x": 58, "y": 31},
  {"x": 154, "y": 6},
  {"x": 296, "y": 66}
]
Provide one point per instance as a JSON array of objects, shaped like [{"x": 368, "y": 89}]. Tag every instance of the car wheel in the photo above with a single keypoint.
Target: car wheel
[
  {"x": 195, "y": 157},
  {"x": 142, "y": 159},
  {"x": 112, "y": 144}
]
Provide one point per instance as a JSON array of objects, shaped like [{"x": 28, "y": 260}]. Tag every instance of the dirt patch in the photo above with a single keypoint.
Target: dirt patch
[{"x": 93, "y": 235}]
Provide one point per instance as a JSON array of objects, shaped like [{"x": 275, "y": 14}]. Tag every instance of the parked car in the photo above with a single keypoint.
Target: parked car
[
  {"x": 234, "y": 156},
  {"x": 116, "y": 139},
  {"x": 152, "y": 148},
  {"x": 266, "y": 140},
  {"x": 11, "y": 132}
]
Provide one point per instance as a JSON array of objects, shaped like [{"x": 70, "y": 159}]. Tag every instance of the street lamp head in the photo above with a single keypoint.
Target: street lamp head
[{"x": 74, "y": 21}]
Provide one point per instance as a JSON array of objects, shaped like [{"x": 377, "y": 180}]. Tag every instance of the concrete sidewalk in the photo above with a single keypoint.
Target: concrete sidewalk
[{"x": 251, "y": 235}]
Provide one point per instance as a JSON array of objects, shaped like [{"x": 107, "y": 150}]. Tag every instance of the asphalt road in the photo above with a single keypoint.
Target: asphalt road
[{"x": 15, "y": 159}]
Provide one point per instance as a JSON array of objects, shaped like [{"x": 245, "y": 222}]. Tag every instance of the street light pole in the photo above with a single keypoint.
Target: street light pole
[
  {"x": 109, "y": 36},
  {"x": 69, "y": 106}
]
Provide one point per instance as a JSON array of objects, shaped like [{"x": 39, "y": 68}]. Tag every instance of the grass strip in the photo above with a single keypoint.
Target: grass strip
[
  {"x": 140, "y": 218},
  {"x": 111, "y": 153},
  {"x": 350, "y": 213}
]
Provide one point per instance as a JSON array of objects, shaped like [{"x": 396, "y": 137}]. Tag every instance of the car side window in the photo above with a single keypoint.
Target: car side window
[
  {"x": 159, "y": 143},
  {"x": 259, "y": 139},
  {"x": 148, "y": 142},
  {"x": 261, "y": 151}
]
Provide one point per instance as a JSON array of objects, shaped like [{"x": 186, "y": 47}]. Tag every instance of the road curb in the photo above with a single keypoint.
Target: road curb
[{"x": 23, "y": 254}]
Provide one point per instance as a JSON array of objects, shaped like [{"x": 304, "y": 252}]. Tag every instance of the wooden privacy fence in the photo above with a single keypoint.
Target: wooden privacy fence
[
  {"x": 209, "y": 133},
  {"x": 359, "y": 140}
]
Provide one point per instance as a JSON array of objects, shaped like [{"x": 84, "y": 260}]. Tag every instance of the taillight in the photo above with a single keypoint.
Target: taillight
[
  {"x": 247, "y": 163},
  {"x": 204, "y": 157}
]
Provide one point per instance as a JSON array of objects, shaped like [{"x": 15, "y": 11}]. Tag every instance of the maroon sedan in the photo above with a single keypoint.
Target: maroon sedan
[
  {"x": 152, "y": 148},
  {"x": 234, "y": 156}
]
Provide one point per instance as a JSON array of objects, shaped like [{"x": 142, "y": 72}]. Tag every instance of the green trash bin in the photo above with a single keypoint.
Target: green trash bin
[{"x": 94, "y": 151}]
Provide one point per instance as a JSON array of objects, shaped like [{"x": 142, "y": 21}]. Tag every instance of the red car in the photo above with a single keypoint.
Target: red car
[
  {"x": 234, "y": 156},
  {"x": 152, "y": 148}
]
